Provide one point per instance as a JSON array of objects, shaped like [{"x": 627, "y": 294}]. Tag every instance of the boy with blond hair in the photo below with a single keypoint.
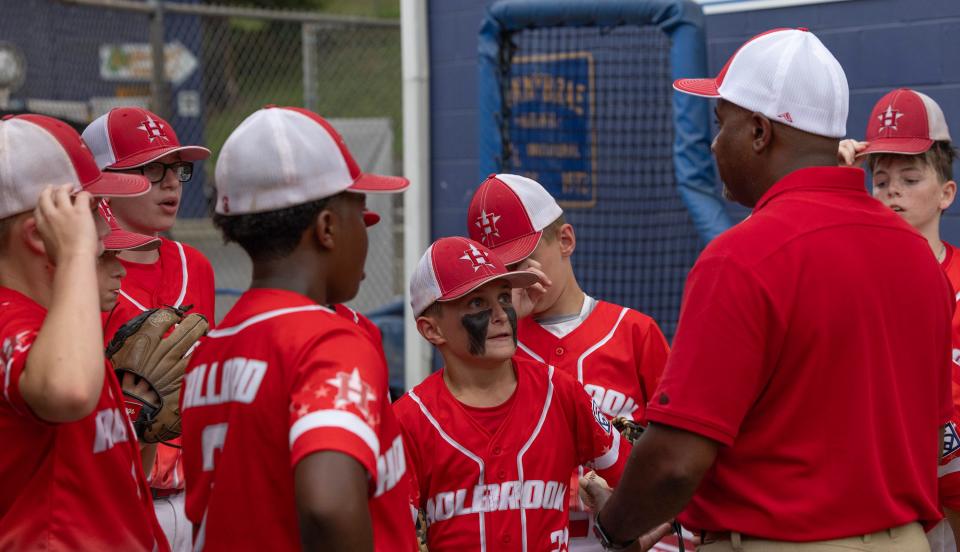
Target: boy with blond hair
[{"x": 616, "y": 352}]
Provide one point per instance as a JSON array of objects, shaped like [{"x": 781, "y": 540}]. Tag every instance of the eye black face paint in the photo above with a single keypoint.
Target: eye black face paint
[
  {"x": 512, "y": 317},
  {"x": 476, "y": 325}
]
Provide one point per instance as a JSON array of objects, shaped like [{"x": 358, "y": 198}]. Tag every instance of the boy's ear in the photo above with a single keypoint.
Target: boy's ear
[
  {"x": 325, "y": 228},
  {"x": 948, "y": 192},
  {"x": 568, "y": 240},
  {"x": 26, "y": 230},
  {"x": 430, "y": 330}
]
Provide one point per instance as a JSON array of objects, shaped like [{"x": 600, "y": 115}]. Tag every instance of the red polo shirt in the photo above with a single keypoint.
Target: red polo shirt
[{"x": 814, "y": 345}]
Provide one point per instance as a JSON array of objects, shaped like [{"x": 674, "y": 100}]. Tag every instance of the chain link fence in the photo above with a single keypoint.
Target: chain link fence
[{"x": 76, "y": 59}]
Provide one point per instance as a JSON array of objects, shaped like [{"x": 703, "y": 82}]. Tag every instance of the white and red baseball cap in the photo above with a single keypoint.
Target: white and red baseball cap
[
  {"x": 905, "y": 121},
  {"x": 130, "y": 137},
  {"x": 789, "y": 76},
  {"x": 453, "y": 267},
  {"x": 284, "y": 156},
  {"x": 508, "y": 213},
  {"x": 36, "y": 151},
  {"x": 121, "y": 240}
]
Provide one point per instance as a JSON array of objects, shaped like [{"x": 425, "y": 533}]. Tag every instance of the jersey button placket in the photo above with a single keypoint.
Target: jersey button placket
[{"x": 559, "y": 351}]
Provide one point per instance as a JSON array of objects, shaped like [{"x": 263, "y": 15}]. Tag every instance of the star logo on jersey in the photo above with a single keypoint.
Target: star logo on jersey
[
  {"x": 476, "y": 258},
  {"x": 888, "y": 119},
  {"x": 951, "y": 440},
  {"x": 351, "y": 389},
  {"x": 153, "y": 129},
  {"x": 487, "y": 223}
]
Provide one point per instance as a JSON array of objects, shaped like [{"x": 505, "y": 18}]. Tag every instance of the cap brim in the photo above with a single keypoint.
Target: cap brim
[
  {"x": 904, "y": 146},
  {"x": 518, "y": 249},
  {"x": 118, "y": 185},
  {"x": 516, "y": 279},
  {"x": 187, "y": 153},
  {"x": 378, "y": 184},
  {"x": 370, "y": 218},
  {"x": 706, "y": 88},
  {"x": 121, "y": 240}
]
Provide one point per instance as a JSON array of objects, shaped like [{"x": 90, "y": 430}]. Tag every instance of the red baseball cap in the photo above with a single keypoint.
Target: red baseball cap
[
  {"x": 119, "y": 239},
  {"x": 453, "y": 267},
  {"x": 39, "y": 151},
  {"x": 129, "y": 137},
  {"x": 508, "y": 213},
  {"x": 905, "y": 121},
  {"x": 279, "y": 157}
]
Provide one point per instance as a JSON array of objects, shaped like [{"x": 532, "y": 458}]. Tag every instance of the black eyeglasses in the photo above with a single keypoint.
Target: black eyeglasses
[{"x": 156, "y": 171}]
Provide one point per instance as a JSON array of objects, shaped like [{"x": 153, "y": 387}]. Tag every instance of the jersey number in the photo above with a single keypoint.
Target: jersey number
[
  {"x": 561, "y": 538},
  {"x": 212, "y": 441}
]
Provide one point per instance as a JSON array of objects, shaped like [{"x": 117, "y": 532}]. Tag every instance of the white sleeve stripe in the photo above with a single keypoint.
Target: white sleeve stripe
[
  {"x": 952, "y": 466},
  {"x": 233, "y": 330},
  {"x": 338, "y": 419},
  {"x": 185, "y": 275},
  {"x": 611, "y": 456}
]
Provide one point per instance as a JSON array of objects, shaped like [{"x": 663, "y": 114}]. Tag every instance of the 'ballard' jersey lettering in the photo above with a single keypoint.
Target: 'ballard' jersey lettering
[{"x": 280, "y": 379}]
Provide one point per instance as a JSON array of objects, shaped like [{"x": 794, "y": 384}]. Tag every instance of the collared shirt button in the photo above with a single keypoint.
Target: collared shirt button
[
  {"x": 559, "y": 351},
  {"x": 497, "y": 451},
  {"x": 506, "y": 538},
  {"x": 502, "y": 474}
]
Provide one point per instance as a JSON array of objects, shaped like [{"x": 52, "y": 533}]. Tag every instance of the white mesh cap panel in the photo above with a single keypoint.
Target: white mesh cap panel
[
  {"x": 424, "y": 288},
  {"x": 541, "y": 207},
  {"x": 792, "y": 78},
  {"x": 30, "y": 159},
  {"x": 936, "y": 122},
  {"x": 278, "y": 158},
  {"x": 97, "y": 137}
]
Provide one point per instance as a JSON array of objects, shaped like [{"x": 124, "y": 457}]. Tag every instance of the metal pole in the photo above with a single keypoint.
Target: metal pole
[
  {"x": 416, "y": 166},
  {"x": 311, "y": 85},
  {"x": 158, "y": 79}
]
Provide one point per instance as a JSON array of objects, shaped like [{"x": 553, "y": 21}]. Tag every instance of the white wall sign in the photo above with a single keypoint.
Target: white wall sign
[
  {"x": 711, "y": 7},
  {"x": 134, "y": 62}
]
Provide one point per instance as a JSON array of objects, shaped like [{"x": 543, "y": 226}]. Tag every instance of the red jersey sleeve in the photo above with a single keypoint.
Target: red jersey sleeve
[
  {"x": 336, "y": 399},
  {"x": 17, "y": 334},
  {"x": 720, "y": 345},
  {"x": 599, "y": 445},
  {"x": 204, "y": 290},
  {"x": 651, "y": 356}
]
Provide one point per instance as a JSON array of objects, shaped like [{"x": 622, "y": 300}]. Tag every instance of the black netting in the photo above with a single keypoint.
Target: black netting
[{"x": 608, "y": 154}]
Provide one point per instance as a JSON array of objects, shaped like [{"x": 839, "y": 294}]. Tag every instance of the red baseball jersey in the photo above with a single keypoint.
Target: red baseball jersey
[
  {"x": 286, "y": 378},
  {"x": 70, "y": 486},
  {"x": 618, "y": 355},
  {"x": 182, "y": 276},
  {"x": 508, "y": 490},
  {"x": 949, "y": 481}
]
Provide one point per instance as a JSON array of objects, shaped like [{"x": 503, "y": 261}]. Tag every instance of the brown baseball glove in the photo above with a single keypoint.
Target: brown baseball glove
[{"x": 154, "y": 347}]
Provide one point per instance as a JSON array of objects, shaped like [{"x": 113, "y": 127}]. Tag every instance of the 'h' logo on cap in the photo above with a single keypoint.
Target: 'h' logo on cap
[
  {"x": 153, "y": 129},
  {"x": 487, "y": 223},
  {"x": 476, "y": 258},
  {"x": 888, "y": 119}
]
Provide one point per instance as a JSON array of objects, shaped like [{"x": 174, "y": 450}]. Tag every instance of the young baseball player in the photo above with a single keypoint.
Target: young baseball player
[
  {"x": 493, "y": 437},
  {"x": 136, "y": 141},
  {"x": 286, "y": 404},
  {"x": 910, "y": 156},
  {"x": 617, "y": 353},
  {"x": 71, "y": 475}
]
